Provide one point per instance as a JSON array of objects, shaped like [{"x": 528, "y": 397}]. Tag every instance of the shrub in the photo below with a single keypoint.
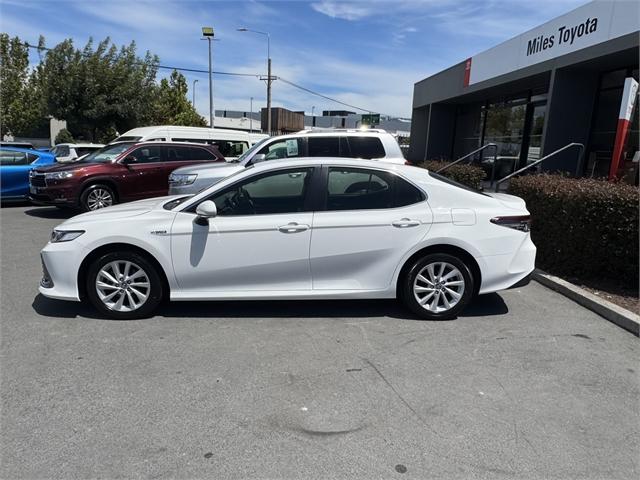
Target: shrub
[
  {"x": 469, "y": 175},
  {"x": 63, "y": 136},
  {"x": 582, "y": 227}
]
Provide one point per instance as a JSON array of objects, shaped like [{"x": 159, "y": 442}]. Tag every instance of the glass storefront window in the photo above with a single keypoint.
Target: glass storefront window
[{"x": 505, "y": 127}]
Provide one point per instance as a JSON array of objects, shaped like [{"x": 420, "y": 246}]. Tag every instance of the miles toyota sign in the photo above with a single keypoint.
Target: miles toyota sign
[{"x": 593, "y": 23}]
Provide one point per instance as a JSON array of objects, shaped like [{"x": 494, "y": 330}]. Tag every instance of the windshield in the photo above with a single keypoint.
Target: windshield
[
  {"x": 248, "y": 153},
  {"x": 108, "y": 153}
]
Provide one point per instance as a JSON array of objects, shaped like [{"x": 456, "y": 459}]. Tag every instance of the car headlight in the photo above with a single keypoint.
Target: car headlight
[
  {"x": 65, "y": 235},
  {"x": 182, "y": 178},
  {"x": 58, "y": 175}
]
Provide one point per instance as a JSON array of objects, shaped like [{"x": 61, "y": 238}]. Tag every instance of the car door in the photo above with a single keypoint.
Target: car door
[
  {"x": 143, "y": 173},
  {"x": 259, "y": 241},
  {"x": 370, "y": 220},
  {"x": 14, "y": 173}
]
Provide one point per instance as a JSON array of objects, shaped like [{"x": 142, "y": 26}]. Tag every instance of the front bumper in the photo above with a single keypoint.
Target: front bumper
[
  {"x": 61, "y": 263},
  {"x": 53, "y": 196}
]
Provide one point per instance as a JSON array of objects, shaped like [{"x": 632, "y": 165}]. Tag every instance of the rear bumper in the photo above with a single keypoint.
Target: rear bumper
[
  {"x": 501, "y": 272},
  {"x": 522, "y": 283}
]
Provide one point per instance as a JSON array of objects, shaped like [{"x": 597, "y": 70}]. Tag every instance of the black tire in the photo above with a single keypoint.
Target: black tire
[
  {"x": 87, "y": 200},
  {"x": 155, "y": 292},
  {"x": 408, "y": 297}
]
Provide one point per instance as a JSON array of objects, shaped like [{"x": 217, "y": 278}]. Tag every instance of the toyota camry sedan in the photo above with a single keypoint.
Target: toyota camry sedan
[{"x": 297, "y": 229}]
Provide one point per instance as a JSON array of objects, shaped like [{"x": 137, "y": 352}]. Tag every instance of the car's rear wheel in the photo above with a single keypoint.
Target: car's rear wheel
[
  {"x": 96, "y": 197},
  {"x": 124, "y": 285},
  {"x": 437, "y": 286}
]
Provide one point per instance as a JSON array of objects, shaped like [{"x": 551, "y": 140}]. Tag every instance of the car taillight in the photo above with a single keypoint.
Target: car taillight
[
  {"x": 407, "y": 162},
  {"x": 520, "y": 222}
]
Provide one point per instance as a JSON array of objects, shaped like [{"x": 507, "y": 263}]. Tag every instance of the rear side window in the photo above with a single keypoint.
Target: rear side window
[
  {"x": 365, "y": 147},
  {"x": 358, "y": 189},
  {"x": 230, "y": 148},
  {"x": 405, "y": 193},
  {"x": 202, "y": 154},
  {"x": 324, "y": 146},
  {"x": 8, "y": 157},
  {"x": 178, "y": 154}
]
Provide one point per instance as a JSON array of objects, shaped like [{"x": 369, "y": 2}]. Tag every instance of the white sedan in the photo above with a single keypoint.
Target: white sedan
[{"x": 297, "y": 229}]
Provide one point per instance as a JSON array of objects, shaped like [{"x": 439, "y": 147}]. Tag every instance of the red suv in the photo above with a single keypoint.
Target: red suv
[{"x": 120, "y": 172}]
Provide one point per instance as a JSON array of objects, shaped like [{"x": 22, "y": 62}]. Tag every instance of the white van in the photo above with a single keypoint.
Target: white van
[
  {"x": 230, "y": 143},
  {"x": 70, "y": 152}
]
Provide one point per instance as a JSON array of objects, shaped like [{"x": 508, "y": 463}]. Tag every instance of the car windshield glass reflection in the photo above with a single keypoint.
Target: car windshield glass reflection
[{"x": 108, "y": 153}]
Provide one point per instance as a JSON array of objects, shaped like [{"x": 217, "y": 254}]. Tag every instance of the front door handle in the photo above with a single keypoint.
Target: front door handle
[
  {"x": 293, "y": 227},
  {"x": 405, "y": 223}
]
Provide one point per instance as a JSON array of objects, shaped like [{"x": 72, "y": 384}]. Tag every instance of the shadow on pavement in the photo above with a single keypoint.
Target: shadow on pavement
[
  {"x": 51, "y": 212},
  {"x": 486, "y": 305}
]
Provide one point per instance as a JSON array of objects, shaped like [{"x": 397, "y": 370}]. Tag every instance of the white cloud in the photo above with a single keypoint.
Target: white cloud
[{"x": 343, "y": 10}]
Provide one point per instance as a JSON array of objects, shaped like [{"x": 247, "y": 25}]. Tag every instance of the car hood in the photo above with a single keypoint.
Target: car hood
[
  {"x": 118, "y": 212},
  {"x": 213, "y": 169}
]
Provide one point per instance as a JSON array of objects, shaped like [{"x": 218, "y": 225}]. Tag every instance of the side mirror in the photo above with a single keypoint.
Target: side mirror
[
  {"x": 129, "y": 159},
  {"x": 205, "y": 211},
  {"x": 258, "y": 157}
]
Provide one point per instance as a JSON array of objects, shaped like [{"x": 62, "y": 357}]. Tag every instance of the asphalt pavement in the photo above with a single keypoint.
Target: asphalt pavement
[{"x": 526, "y": 384}]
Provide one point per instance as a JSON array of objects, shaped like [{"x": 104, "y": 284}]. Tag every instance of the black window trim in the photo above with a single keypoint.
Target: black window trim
[
  {"x": 323, "y": 192},
  {"x": 310, "y": 196}
]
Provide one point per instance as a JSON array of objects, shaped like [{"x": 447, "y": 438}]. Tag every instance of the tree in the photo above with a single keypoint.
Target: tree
[
  {"x": 21, "y": 102},
  {"x": 64, "y": 136},
  {"x": 171, "y": 106},
  {"x": 99, "y": 90}
]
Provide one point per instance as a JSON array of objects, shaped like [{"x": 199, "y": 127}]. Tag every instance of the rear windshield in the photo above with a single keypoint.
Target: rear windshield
[
  {"x": 108, "y": 153},
  {"x": 444, "y": 179}
]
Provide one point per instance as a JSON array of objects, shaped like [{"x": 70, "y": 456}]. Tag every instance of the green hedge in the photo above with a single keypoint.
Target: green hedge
[
  {"x": 583, "y": 228},
  {"x": 469, "y": 175}
]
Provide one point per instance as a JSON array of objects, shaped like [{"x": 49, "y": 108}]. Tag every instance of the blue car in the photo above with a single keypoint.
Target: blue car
[{"x": 15, "y": 165}]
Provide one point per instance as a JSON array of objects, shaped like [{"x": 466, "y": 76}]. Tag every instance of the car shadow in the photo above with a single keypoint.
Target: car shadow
[
  {"x": 486, "y": 305},
  {"x": 51, "y": 212}
]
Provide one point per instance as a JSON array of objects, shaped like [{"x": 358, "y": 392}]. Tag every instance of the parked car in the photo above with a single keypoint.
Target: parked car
[
  {"x": 15, "y": 165},
  {"x": 368, "y": 144},
  {"x": 120, "y": 172},
  {"x": 70, "y": 152},
  {"x": 230, "y": 143},
  {"x": 25, "y": 145},
  {"x": 297, "y": 229}
]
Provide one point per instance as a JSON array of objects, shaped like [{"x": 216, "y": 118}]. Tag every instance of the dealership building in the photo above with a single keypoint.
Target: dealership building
[{"x": 559, "y": 83}]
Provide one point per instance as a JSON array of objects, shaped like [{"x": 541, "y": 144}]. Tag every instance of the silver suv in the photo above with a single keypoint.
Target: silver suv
[{"x": 371, "y": 144}]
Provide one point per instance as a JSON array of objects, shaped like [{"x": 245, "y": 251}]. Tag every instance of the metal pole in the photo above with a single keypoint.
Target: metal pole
[
  {"x": 269, "y": 96},
  {"x": 210, "y": 88},
  {"x": 251, "y": 115},
  {"x": 193, "y": 93}
]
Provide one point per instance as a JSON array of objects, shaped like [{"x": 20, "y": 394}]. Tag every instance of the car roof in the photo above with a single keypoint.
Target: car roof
[
  {"x": 335, "y": 161},
  {"x": 97, "y": 145},
  {"x": 25, "y": 150},
  {"x": 142, "y": 131},
  {"x": 335, "y": 133}
]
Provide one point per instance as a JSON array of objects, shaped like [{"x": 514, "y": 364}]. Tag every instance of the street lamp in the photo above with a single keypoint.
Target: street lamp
[
  {"x": 251, "y": 115},
  {"x": 269, "y": 78},
  {"x": 193, "y": 93},
  {"x": 207, "y": 33}
]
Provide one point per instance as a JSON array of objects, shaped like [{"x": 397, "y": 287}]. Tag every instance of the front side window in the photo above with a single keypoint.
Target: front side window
[
  {"x": 358, "y": 189},
  {"x": 272, "y": 193},
  {"x": 8, "y": 157},
  {"x": 289, "y": 148},
  {"x": 149, "y": 154}
]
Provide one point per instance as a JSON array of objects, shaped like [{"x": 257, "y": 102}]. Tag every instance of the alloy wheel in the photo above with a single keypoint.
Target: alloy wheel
[
  {"x": 438, "y": 287},
  {"x": 123, "y": 286},
  {"x": 99, "y": 198}
]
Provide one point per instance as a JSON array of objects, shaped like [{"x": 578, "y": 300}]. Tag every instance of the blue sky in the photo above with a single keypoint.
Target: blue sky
[{"x": 366, "y": 53}]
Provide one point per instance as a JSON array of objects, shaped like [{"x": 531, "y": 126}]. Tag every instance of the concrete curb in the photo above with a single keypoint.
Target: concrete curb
[{"x": 612, "y": 312}]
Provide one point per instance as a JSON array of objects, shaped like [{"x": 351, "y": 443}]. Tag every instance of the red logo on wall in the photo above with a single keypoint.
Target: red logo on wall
[{"x": 467, "y": 72}]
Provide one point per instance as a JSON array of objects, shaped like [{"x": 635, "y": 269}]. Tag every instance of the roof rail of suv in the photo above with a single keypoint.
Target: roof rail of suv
[{"x": 338, "y": 130}]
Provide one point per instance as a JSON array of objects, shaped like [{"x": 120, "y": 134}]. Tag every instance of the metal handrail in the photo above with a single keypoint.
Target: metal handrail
[
  {"x": 468, "y": 155},
  {"x": 537, "y": 162}
]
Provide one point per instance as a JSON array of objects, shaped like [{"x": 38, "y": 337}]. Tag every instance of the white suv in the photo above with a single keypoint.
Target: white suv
[{"x": 371, "y": 144}]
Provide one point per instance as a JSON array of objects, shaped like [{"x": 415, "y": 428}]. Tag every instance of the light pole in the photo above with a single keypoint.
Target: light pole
[
  {"x": 207, "y": 33},
  {"x": 269, "y": 78},
  {"x": 193, "y": 93},
  {"x": 251, "y": 115}
]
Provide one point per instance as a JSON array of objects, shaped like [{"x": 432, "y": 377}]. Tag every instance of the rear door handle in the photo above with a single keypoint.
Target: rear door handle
[
  {"x": 405, "y": 223},
  {"x": 293, "y": 227}
]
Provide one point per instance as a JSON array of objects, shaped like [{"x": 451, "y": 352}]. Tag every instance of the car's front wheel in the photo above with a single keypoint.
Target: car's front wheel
[
  {"x": 124, "y": 285},
  {"x": 437, "y": 286},
  {"x": 96, "y": 197}
]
